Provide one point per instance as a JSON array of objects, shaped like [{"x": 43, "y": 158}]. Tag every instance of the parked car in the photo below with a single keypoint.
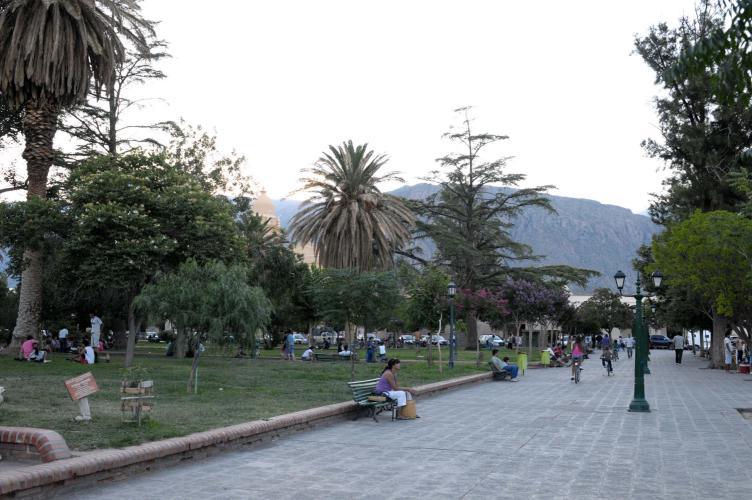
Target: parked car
[
  {"x": 299, "y": 338},
  {"x": 660, "y": 341},
  {"x": 438, "y": 339},
  {"x": 495, "y": 340},
  {"x": 408, "y": 339},
  {"x": 152, "y": 336}
]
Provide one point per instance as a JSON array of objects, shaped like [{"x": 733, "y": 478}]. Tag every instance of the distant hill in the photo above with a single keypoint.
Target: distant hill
[{"x": 585, "y": 233}]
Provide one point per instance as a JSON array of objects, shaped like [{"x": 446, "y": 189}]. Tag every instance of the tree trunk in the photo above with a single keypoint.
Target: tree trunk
[
  {"x": 130, "y": 348},
  {"x": 716, "y": 341},
  {"x": 39, "y": 127},
  {"x": 180, "y": 343},
  {"x": 472, "y": 329},
  {"x": 29, "y": 300},
  {"x": 192, "y": 382}
]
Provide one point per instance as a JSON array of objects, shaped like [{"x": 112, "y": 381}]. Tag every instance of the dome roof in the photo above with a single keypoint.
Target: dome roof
[{"x": 263, "y": 205}]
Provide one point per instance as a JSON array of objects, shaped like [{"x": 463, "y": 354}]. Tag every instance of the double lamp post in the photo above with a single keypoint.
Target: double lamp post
[{"x": 640, "y": 331}]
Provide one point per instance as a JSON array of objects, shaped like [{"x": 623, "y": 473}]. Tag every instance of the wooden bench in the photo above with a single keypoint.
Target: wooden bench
[
  {"x": 324, "y": 357},
  {"x": 361, "y": 390},
  {"x": 499, "y": 375}
]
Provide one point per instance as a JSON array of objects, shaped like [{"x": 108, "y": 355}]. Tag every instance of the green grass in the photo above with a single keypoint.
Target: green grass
[{"x": 230, "y": 391}]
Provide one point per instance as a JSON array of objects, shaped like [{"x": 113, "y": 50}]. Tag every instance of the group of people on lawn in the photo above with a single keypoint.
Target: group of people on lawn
[{"x": 33, "y": 351}]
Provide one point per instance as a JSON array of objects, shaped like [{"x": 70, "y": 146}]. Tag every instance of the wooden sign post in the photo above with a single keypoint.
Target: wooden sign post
[{"x": 79, "y": 388}]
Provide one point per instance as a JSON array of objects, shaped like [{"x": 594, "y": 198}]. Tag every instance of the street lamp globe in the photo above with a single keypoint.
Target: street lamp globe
[
  {"x": 451, "y": 289},
  {"x": 657, "y": 278},
  {"x": 619, "y": 277}
]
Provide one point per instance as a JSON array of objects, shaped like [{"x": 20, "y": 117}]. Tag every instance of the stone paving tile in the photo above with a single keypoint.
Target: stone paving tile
[{"x": 543, "y": 437}]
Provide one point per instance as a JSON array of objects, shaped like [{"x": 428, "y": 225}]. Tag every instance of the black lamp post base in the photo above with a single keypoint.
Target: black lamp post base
[{"x": 639, "y": 406}]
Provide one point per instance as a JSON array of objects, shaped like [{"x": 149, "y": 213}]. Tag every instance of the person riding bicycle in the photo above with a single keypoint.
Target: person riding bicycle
[
  {"x": 578, "y": 352},
  {"x": 606, "y": 357}
]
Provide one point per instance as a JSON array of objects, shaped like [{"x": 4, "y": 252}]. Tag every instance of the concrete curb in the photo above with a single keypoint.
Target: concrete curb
[{"x": 39, "y": 481}]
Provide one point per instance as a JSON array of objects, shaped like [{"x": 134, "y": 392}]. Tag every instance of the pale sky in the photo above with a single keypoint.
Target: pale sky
[{"x": 281, "y": 80}]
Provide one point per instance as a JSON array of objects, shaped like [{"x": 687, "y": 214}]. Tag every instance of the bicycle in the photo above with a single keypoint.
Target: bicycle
[
  {"x": 608, "y": 366},
  {"x": 577, "y": 370}
]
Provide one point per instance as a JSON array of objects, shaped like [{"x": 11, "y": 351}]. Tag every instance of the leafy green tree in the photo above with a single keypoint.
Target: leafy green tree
[
  {"x": 348, "y": 220},
  {"x": 605, "y": 310},
  {"x": 350, "y": 297},
  {"x": 135, "y": 215},
  {"x": 50, "y": 50},
  {"x": 195, "y": 151},
  {"x": 679, "y": 306},
  {"x": 709, "y": 254},
  {"x": 702, "y": 138},
  {"x": 212, "y": 300},
  {"x": 726, "y": 46},
  {"x": 426, "y": 299}
]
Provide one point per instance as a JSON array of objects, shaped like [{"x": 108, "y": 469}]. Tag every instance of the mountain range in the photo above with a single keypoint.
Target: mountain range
[{"x": 583, "y": 233}]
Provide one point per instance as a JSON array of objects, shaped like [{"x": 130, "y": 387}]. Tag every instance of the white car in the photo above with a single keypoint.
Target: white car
[
  {"x": 408, "y": 339},
  {"x": 439, "y": 339},
  {"x": 299, "y": 338},
  {"x": 495, "y": 340}
]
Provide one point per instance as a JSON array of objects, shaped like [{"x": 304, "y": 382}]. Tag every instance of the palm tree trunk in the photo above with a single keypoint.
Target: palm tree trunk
[{"x": 39, "y": 127}]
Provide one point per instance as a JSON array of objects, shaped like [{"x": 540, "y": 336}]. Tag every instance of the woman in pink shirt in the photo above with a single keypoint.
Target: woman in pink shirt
[
  {"x": 27, "y": 348},
  {"x": 578, "y": 352}
]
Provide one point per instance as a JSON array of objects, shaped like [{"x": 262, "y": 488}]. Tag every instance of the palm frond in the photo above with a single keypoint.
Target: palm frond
[{"x": 50, "y": 50}]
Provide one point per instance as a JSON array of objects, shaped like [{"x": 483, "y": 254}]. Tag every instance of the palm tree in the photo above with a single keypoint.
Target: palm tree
[
  {"x": 50, "y": 50},
  {"x": 351, "y": 224}
]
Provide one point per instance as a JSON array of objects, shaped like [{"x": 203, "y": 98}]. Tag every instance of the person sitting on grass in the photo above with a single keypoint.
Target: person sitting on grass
[
  {"x": 307, "y": 354},
  {"x": 388, "y": 386},
  {"x": 345, "y": 352},
  {"x": 39, "y": 355},
  {"x": 27, "y": 348},
  {"x": 504, "y": 365}
]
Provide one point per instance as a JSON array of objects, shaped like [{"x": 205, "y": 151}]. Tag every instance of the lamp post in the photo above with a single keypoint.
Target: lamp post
[
  {"x": 451, "y": 291},
  {"x": 639, "y": 403}
]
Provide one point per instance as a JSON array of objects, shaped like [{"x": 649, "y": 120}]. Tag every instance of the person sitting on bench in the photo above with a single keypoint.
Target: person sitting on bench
[
  {"x": 503, "y": 365},
  {"x": 388, "y": 385}
]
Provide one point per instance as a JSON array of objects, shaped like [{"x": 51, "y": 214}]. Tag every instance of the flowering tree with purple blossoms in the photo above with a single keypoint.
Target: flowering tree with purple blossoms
[{"x": 534, "y": 302}]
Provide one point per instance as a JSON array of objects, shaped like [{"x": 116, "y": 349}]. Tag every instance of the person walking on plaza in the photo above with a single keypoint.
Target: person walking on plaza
[
  {"x": 728, "y": 351},
  {"x": 679, "y": 347},
  {"x": 96, "y": 329},
  {"x": 62, "y": 335},
  {"x": 629, "y": 345}
]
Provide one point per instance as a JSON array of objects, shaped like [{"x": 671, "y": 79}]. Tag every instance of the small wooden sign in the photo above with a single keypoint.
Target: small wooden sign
[{"x": 81, "y": 386}]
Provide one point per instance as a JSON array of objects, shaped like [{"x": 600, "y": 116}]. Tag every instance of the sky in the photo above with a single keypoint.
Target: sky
[{"x": 279, "y": 81}]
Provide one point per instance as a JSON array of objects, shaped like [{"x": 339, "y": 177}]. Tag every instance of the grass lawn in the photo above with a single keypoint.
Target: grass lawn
[{"x": 230, "y": 391}]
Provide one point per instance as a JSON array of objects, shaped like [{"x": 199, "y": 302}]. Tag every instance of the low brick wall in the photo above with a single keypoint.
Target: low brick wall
[
  {"x": 28, "y": 443},
  {"x": 44, "y": 480}
]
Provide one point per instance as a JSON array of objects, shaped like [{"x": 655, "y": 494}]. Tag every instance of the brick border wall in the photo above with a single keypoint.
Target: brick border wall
[
  {"x": 36, "y": 444},
  {"x": 40, "y": 481}
]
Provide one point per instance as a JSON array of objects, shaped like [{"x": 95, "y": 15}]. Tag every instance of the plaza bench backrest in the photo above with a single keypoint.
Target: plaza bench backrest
[{"x": 361, "y": 389}]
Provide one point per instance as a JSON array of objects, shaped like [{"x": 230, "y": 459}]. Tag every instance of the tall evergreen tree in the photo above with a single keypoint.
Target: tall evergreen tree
[{"x": 470, "y": 222}]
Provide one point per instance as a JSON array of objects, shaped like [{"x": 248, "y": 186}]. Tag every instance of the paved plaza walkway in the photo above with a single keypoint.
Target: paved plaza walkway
[{"x": 543, "y": 437}]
